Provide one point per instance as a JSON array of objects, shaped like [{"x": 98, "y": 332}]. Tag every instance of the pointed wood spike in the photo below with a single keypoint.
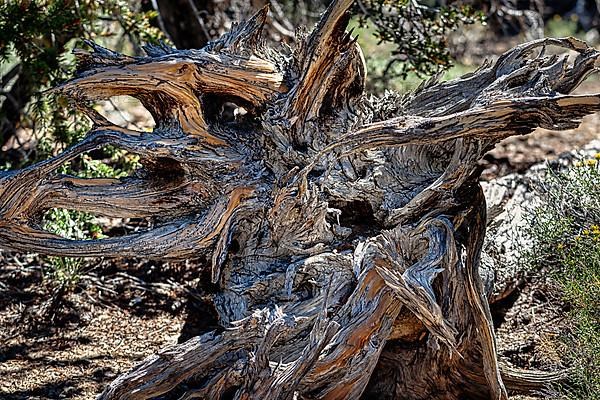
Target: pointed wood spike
[
  {"x": 98, "y": 57},
  {"x": 243, "y": 38},
  {"x": 332, "y": 24},
  {"x": 254, "y": 28},
  {"x": 158, "y": 50},
  {"x": 328, "y": 67}
]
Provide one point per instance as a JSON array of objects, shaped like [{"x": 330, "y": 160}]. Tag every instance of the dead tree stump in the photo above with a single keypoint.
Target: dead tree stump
[{"x": 342, "y": 232}]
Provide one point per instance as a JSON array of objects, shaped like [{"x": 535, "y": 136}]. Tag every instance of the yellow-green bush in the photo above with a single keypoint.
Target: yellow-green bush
[{"x": 566, "y": 233}]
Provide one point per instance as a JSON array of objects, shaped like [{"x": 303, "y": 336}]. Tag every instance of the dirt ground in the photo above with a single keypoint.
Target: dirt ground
[
  {"x": 79, "y": 359},
  {"x": 120, "y": 313},
  {"x": 528, "y": 335}
]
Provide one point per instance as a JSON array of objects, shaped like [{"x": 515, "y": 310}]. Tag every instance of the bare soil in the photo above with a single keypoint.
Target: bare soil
[
  {"x": 530, "y": 325},
  {"x": 117, "y": 315}
]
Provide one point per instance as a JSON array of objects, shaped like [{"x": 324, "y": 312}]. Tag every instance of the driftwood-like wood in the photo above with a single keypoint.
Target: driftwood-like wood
[{"x": 343, "y": 233}]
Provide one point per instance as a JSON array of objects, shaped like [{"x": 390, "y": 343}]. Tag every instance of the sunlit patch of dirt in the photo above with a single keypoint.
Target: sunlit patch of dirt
[{"x": 118, "y": 314}]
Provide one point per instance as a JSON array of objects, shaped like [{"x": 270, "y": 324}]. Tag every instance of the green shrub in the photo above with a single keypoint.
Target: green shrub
[
  {"x": 417, "y": 33},
  {"x": 566, "y": 234},
  {"x": 64, "y": 272}
]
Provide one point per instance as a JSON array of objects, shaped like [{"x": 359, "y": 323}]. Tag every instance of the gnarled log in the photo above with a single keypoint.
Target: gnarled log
[{"x": 344, "y": 233}]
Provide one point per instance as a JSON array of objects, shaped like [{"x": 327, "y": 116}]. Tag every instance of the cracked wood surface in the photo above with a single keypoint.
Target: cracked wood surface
[{"x": 343, "y": 233}]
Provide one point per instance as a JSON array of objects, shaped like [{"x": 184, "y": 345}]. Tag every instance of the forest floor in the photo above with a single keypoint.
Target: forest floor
[
  {"x": 118, "y": 314},
  {"x": 121, "y": 312}
]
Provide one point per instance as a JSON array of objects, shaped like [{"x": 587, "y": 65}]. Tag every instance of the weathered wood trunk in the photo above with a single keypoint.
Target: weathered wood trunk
[{"x": 342, "y": 233}]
